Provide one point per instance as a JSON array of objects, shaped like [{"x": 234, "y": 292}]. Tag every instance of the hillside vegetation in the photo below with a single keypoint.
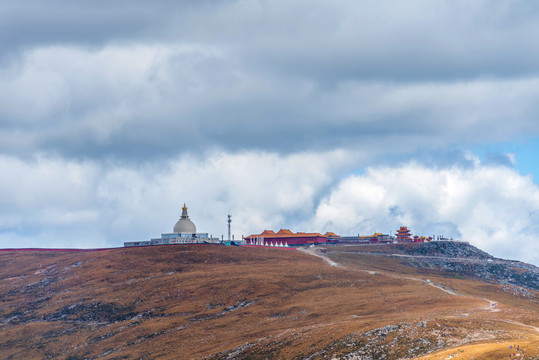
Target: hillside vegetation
[{"x": 220, "y": 302}]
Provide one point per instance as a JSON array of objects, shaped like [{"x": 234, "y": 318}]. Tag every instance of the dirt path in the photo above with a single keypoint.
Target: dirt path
[
  {"x": 312, "y": 251},
  {"x": 492, "y": 305},
  {"x": 520, "y": 324},
  {"x": 449, "y": 291}
]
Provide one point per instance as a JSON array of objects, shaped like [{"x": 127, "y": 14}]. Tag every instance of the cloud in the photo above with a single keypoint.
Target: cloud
[
  {"x": 132, "y": 81},
  {"x": 72, "y": 203},
  {"x": 387, "y": 40},
  {"x": 89, "y": 204},
  {"x": 151, "y": 101},
  {"x": 491, "y": 206}
]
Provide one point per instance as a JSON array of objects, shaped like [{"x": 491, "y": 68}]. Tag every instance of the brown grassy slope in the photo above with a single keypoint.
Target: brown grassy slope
[
  {"x": 502, "y": 315},
  {"x": 171, "y": 302},
  {"x": 398, "y": 267}
]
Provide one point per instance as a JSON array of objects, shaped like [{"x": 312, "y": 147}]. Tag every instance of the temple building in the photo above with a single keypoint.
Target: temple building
[
  {"x": 184, "y": 232},
  {"x": 285, "y": 238},
  {"x": 403, "y": 234},
  {"x": 380, "y": 238},
  {"x": 422, "y": 239}
]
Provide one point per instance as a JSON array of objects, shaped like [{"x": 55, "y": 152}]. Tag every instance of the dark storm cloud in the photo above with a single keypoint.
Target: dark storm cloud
[
  {"x": 345, "y": 39},
  {"x": 95, "y": 23},
  {"x": 134, "y": 79},
  {"x": 389, "y": 40}
]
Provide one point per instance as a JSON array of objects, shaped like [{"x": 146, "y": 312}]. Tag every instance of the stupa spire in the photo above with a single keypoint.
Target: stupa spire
[
  {"x": 184, "y": 212},
  {"x": 184, "y": 225}
]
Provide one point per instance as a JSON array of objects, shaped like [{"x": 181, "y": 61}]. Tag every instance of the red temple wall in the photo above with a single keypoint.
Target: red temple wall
[{"x": 291, "y": 241}]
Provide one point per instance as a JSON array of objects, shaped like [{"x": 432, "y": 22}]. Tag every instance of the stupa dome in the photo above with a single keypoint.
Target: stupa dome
[{"x": 184, "y": 225}]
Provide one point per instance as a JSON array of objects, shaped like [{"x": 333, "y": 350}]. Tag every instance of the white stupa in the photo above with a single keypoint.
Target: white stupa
[
  {"x": 184, "y": 232},
  {"x": 184, "y": 225}
]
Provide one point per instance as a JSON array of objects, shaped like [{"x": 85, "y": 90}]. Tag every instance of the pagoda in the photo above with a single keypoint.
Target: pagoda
[{"x": 403, "y": 234}]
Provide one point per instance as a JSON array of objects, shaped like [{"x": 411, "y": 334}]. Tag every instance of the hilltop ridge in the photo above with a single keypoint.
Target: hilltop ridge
[{"x": 227, "y": 302}]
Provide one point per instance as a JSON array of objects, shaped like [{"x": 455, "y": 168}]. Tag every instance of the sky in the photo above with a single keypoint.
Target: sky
[{"x": 348, "y": 116}]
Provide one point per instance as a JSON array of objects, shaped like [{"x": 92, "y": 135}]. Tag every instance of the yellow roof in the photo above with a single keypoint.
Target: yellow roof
[{"x": 329, "y": 233}]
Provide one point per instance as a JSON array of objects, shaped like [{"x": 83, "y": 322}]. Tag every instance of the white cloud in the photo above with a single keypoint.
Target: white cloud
[
  {"x": 68, "y": 203},
  {"x": 492, "y": 207},
  {"x": 45, "y": 183}
]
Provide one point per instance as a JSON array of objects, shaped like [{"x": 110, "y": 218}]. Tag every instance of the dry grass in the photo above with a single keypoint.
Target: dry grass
[
  {"x": 198, "y": 301},
  {"x": 527, "y": 349}
]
